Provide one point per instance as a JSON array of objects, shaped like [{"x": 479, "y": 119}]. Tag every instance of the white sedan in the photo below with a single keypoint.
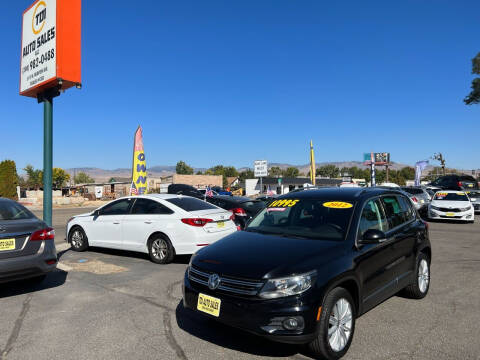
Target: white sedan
[
  {"x": 451, "y": 205},
  {"x": 161, "y": 225}
]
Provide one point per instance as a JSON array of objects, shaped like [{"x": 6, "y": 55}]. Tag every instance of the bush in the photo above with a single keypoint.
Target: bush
[{"x": 8, "y": 179}]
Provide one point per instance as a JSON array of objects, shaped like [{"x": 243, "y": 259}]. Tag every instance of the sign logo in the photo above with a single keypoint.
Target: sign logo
[
  {"x": 39, "y": 16},
  {"x": 213, "y": 281}
]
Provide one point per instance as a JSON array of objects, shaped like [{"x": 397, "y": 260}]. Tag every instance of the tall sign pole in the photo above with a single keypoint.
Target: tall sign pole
[
  {"x": 47, "y": 159},
  {"x": 50, "y": 63}
]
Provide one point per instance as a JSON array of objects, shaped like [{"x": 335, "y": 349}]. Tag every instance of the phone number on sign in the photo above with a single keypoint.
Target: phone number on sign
[{"x": 40, "y": 60}]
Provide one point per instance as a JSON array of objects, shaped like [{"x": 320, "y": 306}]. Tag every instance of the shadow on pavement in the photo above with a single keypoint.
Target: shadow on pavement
[
  {"x": 232, "y": 338},
  {"x": 179, "y": 259},
  {"x": 53, "y": 279}
]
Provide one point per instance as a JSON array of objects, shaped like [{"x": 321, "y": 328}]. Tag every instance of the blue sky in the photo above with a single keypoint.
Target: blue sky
[{"x": 229, "y": 82}]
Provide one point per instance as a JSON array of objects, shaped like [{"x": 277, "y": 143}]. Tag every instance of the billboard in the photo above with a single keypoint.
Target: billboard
[
  {"x": 50, "y": 53},
  {"x": 377, "y": 158}
]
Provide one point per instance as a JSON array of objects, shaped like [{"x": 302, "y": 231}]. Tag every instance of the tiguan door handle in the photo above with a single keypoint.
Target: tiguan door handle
[
  {"x": 147, "y": 222},
  {"x": 116, "y": 223}
]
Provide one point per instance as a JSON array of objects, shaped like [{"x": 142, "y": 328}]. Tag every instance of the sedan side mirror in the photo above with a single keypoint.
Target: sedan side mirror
[
  {"x": 373, "y": 236},
  {"x": 96, "y": 213}
]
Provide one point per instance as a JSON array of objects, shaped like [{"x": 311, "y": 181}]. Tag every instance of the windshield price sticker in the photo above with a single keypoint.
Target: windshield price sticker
[
  {"x": 283, "y": 203},
  {"x": 275, "y": 209},
  {"x": 337, "y": 205}
]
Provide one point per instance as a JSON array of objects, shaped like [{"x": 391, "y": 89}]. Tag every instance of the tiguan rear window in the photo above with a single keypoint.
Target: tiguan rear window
[{"x": 13, "y": 211}]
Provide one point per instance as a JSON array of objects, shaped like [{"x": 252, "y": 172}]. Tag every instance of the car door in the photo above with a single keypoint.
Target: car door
[
  {"x": 402, "y": 234},
  {"x": 405, "y": 242},
  {"x": 105, "y": 230},
  {"x": 373, "y": 262},
  {"x": 146, "y": 217}
]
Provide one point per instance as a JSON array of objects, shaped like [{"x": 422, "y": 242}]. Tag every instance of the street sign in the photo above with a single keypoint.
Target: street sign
[
  {"x": 279, "y": 181},
  {"x": 50, "y": 54},
  {"x": 260, "y": 168}
]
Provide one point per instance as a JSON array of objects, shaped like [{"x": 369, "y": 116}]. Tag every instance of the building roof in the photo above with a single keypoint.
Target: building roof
[
  {"x": 231, "y": 179},
  {"x": 301, "y": 181}
]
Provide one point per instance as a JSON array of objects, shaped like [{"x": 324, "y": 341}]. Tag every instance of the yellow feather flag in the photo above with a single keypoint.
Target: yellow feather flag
[
  {"x": 139, "y": 169},
  {"x": 312, "y": 164}
]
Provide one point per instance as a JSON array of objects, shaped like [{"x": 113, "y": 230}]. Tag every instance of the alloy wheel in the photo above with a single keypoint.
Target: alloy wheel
[
  {"x": 77, "y": 239},
  {"x": 423, "y": 276},
  {"x": 159, "y": 249},
  {"x": 340, "y": 325}
]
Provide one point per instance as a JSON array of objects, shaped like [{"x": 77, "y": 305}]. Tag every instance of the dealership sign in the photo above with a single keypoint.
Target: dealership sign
[{"x": 50, "y": 53}]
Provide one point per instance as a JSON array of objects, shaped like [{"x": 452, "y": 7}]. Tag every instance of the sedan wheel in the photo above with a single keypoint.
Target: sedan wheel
[
  {"x": 78, "y": 239},
  {"x": 161, "y": 250}
]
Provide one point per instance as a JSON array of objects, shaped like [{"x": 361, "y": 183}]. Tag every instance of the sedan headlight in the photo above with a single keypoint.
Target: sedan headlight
[
  {"x": 434, "y": 208},
  {"x": 287, "y": 286},
  {"x": 466, "y": 208}
]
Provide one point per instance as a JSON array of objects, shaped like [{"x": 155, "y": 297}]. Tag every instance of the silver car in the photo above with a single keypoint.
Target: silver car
[
  {"x": 27, "y": 248},
  {"x": 419, "y": 196},
  {"x": 474, "y": 196}
]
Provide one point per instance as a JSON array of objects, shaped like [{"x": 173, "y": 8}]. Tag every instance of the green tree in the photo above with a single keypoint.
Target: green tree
[
  {"x": 83, "y": 178},
  {"x": 59, "y": 178},
  {"x": 291, "y": 172},
  {"x": 275, "y": 171},
  {"x": 474, "y": 96},
  {"x": 183, "y": 169},
  {"x": 34, "y": 177},
  {"x": 246, "y": 174},
  {"x": 198, "y": 172},
  {"x": 111, "y": 180},
  {"x": 330, "y": 171},
  {"x": 8, "y": 179}
]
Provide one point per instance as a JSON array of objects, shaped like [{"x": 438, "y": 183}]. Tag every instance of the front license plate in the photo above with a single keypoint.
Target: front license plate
[
  {"x": 209, "y": 304},
  {"x": 450, "y": 214},
  {"x": 221, "y": 224},
  {"x": 7, "y": 244}
]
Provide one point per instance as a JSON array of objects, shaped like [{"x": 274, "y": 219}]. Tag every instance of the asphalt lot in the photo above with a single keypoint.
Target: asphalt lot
[{"x": 108, "y": 304}]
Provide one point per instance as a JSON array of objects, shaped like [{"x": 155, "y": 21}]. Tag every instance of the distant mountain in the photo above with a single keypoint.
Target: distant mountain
[{"x": 103, "y": 175}]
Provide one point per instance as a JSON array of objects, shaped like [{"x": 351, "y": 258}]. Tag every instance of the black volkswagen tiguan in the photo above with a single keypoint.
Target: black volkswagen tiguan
[{"x": 312, "y": 262}]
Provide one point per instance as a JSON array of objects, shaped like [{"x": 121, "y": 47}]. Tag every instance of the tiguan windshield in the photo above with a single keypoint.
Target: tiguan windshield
[{"x": 324, "y": 219}]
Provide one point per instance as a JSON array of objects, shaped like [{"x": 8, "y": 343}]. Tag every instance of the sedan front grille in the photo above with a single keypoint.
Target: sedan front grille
[
  {"x": 450, "y": 210},
  {"x": 228, "y": 285}
]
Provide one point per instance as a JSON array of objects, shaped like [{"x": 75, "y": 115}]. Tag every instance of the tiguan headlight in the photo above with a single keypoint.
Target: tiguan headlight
[{"x": 287, "y": 286}]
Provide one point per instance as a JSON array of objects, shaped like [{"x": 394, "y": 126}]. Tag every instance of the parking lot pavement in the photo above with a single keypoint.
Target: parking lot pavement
[
  {"x": 108, "y": 304},
  {"x": 60, "y": 218}
]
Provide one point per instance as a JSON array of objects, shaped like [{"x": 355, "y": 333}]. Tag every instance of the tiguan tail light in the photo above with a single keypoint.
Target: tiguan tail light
[
  {"x": 198, "y": 222},
  {"x": 44, "y": 234}
]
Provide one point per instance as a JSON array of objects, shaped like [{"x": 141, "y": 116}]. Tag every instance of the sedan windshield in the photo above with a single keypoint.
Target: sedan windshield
[
  {"x": 459, "y": 196},
  {"x": 322, "y": 219}
]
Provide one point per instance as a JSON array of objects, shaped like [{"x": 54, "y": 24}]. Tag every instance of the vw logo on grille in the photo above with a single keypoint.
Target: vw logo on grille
[{"x": 213, "y": 281}]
